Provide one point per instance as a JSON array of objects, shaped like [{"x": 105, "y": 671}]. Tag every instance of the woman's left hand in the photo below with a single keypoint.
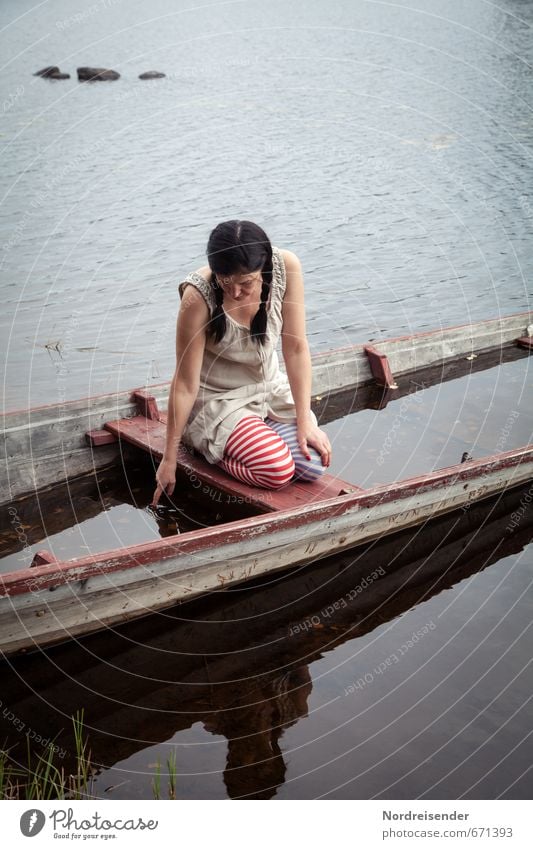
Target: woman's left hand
[{"x": 310, "y": 434}]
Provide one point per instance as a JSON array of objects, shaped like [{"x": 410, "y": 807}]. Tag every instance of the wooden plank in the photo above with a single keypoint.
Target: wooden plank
[
  {"x": 409, "y": 353},
  {"x": 48, "y": 444},
  {"x": 147, "y": 404},
  {"x": 348, "y": 367},
  {"x": 110, "y": 404},
  {"x": 240, "y": 617},
  {"x": 43, "y": 558},
  {"x": 379, "y": 366},
  {"x": 150, "y": 436},
  {"x": 100, "y": 437},
  {"x": 27, "y": 474}
]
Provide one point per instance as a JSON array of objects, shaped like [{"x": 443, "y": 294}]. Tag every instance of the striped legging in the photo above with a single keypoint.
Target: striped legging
[{"x": 266, "y": 454}]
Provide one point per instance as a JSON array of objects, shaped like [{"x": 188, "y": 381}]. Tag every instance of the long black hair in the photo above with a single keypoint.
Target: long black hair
[{"x": 237, "y": 247}]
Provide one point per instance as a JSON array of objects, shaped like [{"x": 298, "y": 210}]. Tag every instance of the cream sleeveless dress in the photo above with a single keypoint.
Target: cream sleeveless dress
[{"x": 239, "y": 377}]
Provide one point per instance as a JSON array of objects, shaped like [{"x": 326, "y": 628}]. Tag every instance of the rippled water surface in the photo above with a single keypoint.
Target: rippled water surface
[{"x": 389, "y": 145}]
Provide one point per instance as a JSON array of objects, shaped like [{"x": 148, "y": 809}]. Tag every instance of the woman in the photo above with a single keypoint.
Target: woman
[{"x": 228, "y": 397}]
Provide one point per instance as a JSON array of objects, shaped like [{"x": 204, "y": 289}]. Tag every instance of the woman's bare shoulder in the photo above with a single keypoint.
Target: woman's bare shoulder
[
  {"x": 292, "y": 262},
  {"x": 204, "y": 272}
]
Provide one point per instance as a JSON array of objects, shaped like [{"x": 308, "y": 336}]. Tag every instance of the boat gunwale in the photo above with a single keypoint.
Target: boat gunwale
[
  {"x": 34, "y": 579},
  {"x": 319, "y": 358}
]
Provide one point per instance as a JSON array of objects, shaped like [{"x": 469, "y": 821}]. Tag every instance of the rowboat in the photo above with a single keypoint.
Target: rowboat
[{"x": 54, "y": 600}]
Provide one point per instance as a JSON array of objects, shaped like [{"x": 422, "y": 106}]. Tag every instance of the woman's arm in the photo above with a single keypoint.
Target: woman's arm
[
  {"x": 190, "y": 343},
  {"x": 297, "y": 359}
]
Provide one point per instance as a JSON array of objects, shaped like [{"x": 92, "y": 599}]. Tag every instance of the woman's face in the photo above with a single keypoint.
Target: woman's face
[{"x": 242, "y": 286}]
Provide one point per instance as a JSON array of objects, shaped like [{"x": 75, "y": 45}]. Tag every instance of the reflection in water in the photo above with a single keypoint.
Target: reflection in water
[
  {"x": 255, "y": 766},
  {"x": 240, "y": 664}
]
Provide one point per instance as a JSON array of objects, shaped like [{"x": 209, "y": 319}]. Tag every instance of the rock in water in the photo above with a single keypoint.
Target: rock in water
[
  {"x": 151, "y": 75},
  {"x": 47, "y": 72},
  {"x": 88, "y": 74},
  {"x": 59, "y": 76}
]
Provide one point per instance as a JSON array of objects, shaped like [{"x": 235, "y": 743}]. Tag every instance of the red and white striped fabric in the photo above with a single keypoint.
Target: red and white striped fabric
[{"x": 255, "y": 454}]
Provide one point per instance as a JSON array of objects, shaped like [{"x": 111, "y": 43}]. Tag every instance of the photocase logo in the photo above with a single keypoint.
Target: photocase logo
[{"x": 32, "y": 822}]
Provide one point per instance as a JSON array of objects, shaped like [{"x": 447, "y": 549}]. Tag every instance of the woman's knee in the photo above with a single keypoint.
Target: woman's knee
[
  {"x": 309, "y": 470},
  {"x": 305, "y": 469},
  {"x": 277, "y": 474}
]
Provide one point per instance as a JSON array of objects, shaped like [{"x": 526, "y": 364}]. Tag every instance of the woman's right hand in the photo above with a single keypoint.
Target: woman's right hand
[
  {"x": 193, "y": 319},
  {"x": 166, "y": 480}
]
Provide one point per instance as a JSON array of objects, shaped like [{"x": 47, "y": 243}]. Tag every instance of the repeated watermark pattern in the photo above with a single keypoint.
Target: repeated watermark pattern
[
  {"x": 32, "y": 735},
  {"x": 26, "y": 555},
  {"x": 519, "y": 513},
  {"x": 401, "y": 416},
  {"x": 218, "y": 495},
  {"x": 82, "y": 17},
  {"x": 42, "y": 196},
  {"x": 12, "y": 98},
  {"x": 506, "y": 430},
  {"x": 318, "y": 618},
  {"x": 390, "y": 661}
]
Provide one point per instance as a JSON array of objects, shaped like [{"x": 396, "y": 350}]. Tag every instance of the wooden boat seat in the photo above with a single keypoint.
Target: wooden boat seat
[{"x": 149, "y": 434}]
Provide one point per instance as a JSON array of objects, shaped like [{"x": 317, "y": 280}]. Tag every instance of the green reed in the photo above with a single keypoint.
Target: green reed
[
  {"x": 171, "y": 772},
  {"x": 41, "y": 778}
]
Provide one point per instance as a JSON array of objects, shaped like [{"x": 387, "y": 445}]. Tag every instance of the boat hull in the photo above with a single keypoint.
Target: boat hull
[{"x": 47, "y": 604}]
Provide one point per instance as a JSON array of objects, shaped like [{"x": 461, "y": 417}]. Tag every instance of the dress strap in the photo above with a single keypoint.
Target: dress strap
[
  {"x": 199, "y": 282},
  {"x": 279, "y": 280}
]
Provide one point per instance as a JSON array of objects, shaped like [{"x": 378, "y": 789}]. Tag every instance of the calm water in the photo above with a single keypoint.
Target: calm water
[{"x": 389, "y": 145}]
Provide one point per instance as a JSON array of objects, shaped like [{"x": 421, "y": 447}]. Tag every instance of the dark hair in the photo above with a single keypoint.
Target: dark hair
[{"x": 235, "y": 247}]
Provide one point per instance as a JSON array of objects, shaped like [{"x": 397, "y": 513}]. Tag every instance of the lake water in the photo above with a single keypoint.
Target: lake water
[{"x": 389, "y": 145}]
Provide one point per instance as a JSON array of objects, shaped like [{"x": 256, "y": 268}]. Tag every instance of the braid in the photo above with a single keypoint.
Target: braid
[
  {"x": 259, "y": 322},
  {"x": 233, "y": 247},
  {"x": 217, "y": 325}
]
